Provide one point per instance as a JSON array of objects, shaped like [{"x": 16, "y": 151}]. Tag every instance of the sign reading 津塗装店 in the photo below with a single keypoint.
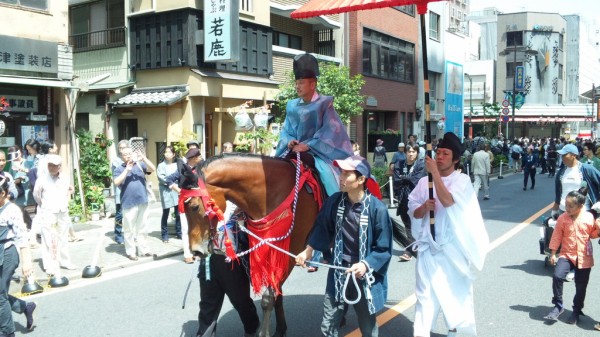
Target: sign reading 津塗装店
[
  {"x": 221, "y": 30},
  {"x": 28, "y": 55}
]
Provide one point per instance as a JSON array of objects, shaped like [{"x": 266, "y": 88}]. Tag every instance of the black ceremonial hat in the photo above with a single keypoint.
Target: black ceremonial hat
[
  {"x": 452, "y": 142},
  {"x": 305, "y": 66}
]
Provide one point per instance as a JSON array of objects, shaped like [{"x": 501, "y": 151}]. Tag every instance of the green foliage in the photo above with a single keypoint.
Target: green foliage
[
  {"x": 491, "y": 111},
  {"x": 385, "y": 132},
  {"x": 75, "y": 208},
  {"x": 180, "y": 146},
  {"x": 381, "y": 174},
  {"x": 334, "y": 81},
  {"x": 264, "y": 139},
  {"x": 94, "y": 168},
  {"x": 498, "y": 158}
]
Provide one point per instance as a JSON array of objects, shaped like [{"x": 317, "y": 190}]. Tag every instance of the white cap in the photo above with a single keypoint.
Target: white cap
[{"x": 401, "y": 145}]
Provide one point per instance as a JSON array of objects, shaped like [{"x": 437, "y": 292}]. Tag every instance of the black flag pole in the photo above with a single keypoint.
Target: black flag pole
[{"x": 427, "y": 115}]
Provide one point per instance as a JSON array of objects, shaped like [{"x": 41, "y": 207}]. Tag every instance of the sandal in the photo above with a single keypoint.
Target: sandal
[{"x": 405, "y": 258}]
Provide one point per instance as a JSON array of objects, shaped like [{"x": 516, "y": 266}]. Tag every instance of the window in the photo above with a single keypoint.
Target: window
[
  {"x": 99, "y": 24},
  {"x": 408, "y": 9},
  {"x": 100, "y": 100},
  {"x": 434, "y": 26},
  {"x": 560, "y": 71},
  {"x": 82, "y": 121},
  {"x": 514, "y": 39},
  {"x": 36, "y": 4},
  {"x": 511, "y": 68},
  {"x": 387, "y": 57},
  {"x": 287, "y": 40},
  {"x": 246, "y": 5},
  {"x": 561, "y": 41}
]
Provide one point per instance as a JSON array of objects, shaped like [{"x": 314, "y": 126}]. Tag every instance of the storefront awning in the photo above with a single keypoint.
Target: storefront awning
[
  {"x": 36, "y": 81},
  {"x": 153, "y": 96}
]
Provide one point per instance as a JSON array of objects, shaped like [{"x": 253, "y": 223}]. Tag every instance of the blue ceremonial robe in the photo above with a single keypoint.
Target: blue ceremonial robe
[{"x": 317, "y": 125}]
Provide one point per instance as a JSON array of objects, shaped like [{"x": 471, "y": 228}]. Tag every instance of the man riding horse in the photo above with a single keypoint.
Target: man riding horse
[{"x": 312, "y": 125}]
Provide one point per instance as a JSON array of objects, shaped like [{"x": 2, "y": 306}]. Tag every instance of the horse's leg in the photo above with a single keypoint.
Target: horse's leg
[
  {"x": 281, "y": 325},
  {"x": 267, "y": 306}
]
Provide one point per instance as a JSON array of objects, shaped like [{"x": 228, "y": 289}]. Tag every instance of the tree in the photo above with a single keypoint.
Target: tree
[
  {"x": 492, "y": 111},
  {"x": 334, "y": 81}
]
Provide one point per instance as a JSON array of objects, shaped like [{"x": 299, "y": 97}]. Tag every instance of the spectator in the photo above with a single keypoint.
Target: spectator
[
  {"x": 14, "y": 238},
  {"x": 227, "y": 147},
  {"x": 355, "y": 148},
  {"x": 515, "y": 154},
  {"x": 551, "y": 157},
  {"x": 19, "y": 172},
  {"x": 379, "y": 155},
  {"x": 570, "y": 177},
  {"x": 412, "y": 170},
  {"x": 444, "y": 278},
  {"x": 52, "y": 192},
  {"x": 115, "y": 163},
  {"x": 529, "y": 164},
  {"x": 573, "y": 233},
  {"x": 367, "y": 253},
  {"x": 131, "y": 177},
  {"x": 168, "y": 197},
  {"x": 185, "y": 181},
  {"x": 589, "y": 155},
  {"x": 481, "y": 171}
]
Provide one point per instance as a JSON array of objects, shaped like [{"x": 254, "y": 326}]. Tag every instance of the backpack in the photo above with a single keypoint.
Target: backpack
[{"x": 515, "y": 155}]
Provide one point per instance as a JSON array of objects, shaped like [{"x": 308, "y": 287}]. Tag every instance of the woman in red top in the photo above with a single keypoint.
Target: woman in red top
[{"x": 573, "y": 233}]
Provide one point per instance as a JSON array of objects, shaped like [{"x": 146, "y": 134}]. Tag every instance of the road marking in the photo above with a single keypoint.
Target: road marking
[
  {"x": 111, "y": 275},
  {"x": 408, "y": 302}
]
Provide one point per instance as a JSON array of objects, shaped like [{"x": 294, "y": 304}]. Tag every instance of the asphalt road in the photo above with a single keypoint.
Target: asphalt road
[{"x": 512, "y": 293}]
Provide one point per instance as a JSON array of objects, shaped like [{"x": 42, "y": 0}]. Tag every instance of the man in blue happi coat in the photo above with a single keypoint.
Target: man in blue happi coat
[
  {"x": 312, "y": 125},
  {"x": 357, "y": 225}
]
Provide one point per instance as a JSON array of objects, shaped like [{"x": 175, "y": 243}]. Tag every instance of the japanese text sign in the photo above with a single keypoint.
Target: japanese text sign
[
  {"x": 221, "y": 30},
  {"x": 29, "y": 55}
]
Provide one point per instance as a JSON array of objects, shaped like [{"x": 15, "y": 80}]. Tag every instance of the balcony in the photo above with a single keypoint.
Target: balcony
[{"x": 101, "y": 39}]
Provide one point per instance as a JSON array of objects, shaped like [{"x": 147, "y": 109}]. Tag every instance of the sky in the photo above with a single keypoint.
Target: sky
[{"x": 588, "y": 9}]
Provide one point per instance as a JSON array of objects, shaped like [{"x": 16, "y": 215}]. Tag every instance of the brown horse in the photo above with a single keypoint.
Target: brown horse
[{"x": 257, "y": 185}]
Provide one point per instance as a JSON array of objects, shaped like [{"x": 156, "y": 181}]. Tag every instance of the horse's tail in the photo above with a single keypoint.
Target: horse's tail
[{"x": 399, "y": 233}]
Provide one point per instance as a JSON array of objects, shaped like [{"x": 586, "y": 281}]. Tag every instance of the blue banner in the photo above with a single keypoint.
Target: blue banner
[
  {"x": 520, "y": 78},
  {"x": 454, "y": 99}
]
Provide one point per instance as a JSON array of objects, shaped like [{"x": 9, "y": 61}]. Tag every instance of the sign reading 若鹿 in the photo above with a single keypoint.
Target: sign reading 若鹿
[
  {"x": 28, "y": 55},
  {"x": 221, "y": 30}
]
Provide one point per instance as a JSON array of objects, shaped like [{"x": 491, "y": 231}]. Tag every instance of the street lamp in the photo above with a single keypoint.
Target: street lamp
[{"x": 470, "y": 105}]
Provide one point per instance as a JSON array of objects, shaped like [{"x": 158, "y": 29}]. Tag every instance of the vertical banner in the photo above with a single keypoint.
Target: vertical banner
[
  {"x": 221, "y": 31},
  {"x": 454, "y": 99},
  {"x": 519, "y": 78}
]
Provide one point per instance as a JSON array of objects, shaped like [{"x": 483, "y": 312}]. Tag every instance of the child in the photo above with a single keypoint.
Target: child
[{"x": 572, "y": 234}]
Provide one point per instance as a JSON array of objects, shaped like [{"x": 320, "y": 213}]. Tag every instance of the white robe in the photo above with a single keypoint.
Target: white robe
[{"x": 444, "y": 275}]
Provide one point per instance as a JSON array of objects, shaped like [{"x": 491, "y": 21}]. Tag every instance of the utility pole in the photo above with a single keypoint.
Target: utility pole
[{"x": 470, "y": 105}]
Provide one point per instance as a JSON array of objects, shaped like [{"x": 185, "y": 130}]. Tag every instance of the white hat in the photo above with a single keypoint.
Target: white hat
[
  {"x": 401, "y": 145},
  {"x": 421, "y": 143},
  {"x": 54, "y": 159}
]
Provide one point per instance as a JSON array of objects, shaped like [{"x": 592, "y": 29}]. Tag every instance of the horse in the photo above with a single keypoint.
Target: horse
[{"x": 258, "y": 185}]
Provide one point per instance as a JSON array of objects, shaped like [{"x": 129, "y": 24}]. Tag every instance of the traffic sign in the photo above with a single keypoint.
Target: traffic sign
[
  {"x": 505, "y": 103},
  {"x": 505, "y": 119},
  {"x": 505, "y": 111}
]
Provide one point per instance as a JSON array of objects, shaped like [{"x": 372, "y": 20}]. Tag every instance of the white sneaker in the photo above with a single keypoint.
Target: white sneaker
[{"x": 570, "y": 276}]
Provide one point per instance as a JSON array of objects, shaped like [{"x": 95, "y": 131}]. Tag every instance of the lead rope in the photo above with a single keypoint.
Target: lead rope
[{"x": 187, "y": 289}]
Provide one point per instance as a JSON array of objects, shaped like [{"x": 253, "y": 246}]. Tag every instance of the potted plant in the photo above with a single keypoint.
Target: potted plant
[{"x": 75, "y": 210}]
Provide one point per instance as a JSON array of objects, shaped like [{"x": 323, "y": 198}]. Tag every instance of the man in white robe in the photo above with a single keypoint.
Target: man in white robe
[{"x": 443, "y": 270}]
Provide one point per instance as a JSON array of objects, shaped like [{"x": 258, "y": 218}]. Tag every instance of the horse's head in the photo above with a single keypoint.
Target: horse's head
[{"x": 199, "y": 228}]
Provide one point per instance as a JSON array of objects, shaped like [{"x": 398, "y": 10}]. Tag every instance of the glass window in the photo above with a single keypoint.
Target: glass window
[
  {"x": 37, "y": 4},
  {"x": 514, "y": 38},
  {"x": 434, "y": 26},
  {"x": 287, "y": 40},
  {"x": 408, "y": 9},
  {"x": 387, "y": 57}
]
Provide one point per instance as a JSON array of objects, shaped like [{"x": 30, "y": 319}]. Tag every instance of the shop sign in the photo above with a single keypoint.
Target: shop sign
[
  {"x": 221, "y": 30},
  {"x": 19, "y": 103},
  {"x": 29, "y": 55}
]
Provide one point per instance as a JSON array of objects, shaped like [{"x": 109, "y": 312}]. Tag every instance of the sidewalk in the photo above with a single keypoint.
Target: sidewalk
[{"x": 111, "y": 255}]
